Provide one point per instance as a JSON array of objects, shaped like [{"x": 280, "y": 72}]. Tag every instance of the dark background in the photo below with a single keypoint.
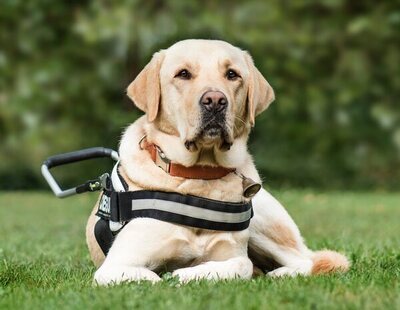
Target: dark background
[{"x": 334, "y": 65}]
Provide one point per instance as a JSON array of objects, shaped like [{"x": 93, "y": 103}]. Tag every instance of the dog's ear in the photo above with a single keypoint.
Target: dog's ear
[
  {"x": 260, "y": 93},
  {"x": 145, "y": 90}
]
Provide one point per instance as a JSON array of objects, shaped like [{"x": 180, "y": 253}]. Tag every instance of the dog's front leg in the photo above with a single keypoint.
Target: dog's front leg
[
  {"x": 237, "y": 267},
  {"x": 142, "y": 246}
]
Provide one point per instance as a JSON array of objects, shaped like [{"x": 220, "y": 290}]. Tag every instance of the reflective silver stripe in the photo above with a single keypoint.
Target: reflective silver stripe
[
  {"x": 117, "y": 184},
  {"x": 186, "y": 210}
]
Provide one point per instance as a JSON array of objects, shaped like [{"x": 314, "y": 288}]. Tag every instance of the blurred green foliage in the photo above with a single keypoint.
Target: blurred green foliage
[{"x": 334, "y": 65}]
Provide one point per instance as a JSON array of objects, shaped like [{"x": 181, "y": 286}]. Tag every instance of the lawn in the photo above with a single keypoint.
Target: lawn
[{"x": 44, "y": 263}]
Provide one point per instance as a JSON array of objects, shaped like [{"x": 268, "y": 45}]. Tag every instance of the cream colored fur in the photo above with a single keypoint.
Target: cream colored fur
[{"x": 146, "y": 246}]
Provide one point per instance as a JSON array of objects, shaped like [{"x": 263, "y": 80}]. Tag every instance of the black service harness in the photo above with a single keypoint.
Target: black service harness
[{"x": 118, "y": 206}]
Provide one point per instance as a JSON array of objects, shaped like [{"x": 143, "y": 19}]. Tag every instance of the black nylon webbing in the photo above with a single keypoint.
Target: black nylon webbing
[
  {"x": 124, "y": 184},
  {"x": 121, "y": 209},
  {"x": 103, "y": 235}
]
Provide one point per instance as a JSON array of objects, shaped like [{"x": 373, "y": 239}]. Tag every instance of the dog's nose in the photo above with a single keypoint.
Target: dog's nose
[{"x": 214, "y": 101}]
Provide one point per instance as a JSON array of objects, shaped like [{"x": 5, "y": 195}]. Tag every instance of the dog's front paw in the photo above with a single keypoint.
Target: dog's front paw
[
  {"x": 186, "y": 275},
  {"x": 115, "y": 275},
  {"x": 235, "y": 268},
  {"x": 289, "y": 272}
]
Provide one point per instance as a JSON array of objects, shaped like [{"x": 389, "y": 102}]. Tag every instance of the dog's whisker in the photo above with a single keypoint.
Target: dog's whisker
[{"x": 240, "y": 119}]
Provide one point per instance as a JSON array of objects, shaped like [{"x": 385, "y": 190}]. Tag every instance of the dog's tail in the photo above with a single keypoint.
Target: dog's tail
[{"x": 327, "y": 261}]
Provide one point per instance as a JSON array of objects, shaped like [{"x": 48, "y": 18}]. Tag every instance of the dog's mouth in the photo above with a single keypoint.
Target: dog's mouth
[
  {"x": 212, "y": 131},
  {"x": 210, "y": 134}
]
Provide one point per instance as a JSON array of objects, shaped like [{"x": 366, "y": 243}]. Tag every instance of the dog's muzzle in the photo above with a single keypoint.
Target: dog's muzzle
[
  {"x": 213, "y": 110},
  {"x": 213, "y": 128}
]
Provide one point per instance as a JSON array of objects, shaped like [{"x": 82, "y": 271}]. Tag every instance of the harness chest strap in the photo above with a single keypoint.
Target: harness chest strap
[
  {"x": 119, "y": 206},
  {"x": 175, "y": 208}
]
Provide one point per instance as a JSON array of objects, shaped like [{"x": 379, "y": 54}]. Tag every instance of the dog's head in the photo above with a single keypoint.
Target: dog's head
[{"x": 204, "y": 91}]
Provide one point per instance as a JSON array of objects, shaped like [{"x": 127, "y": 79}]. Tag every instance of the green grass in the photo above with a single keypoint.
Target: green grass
[{"x": 44, "y": 263}]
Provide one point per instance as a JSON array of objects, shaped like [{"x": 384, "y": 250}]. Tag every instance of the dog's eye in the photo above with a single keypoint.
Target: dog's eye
[
  {"x": 232, "y": 75},
  {"x": 184, "y": 75}
]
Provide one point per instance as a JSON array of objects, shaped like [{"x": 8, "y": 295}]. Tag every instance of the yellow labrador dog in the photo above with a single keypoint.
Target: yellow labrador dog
[{"x": 201, "y": 98}]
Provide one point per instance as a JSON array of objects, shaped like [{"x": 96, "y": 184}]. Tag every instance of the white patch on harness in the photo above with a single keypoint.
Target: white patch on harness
[
  {"x": 116, "y": 182},
  {"x": 119, "y": 187},
  {"x": 105, "y": 205}
]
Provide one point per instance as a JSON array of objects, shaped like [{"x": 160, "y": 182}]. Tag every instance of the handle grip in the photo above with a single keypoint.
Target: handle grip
[{"x": 71, "y": 157}]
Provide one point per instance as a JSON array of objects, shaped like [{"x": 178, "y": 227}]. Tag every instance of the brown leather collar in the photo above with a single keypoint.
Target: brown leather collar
[{"x": 178, "y": 170}]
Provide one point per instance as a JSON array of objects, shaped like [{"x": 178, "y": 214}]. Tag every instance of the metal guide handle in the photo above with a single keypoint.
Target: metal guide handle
[{"x": 71, "y": 157}]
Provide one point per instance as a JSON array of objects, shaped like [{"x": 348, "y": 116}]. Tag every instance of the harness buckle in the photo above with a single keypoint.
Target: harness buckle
[{"x": 105, "y": 181}]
